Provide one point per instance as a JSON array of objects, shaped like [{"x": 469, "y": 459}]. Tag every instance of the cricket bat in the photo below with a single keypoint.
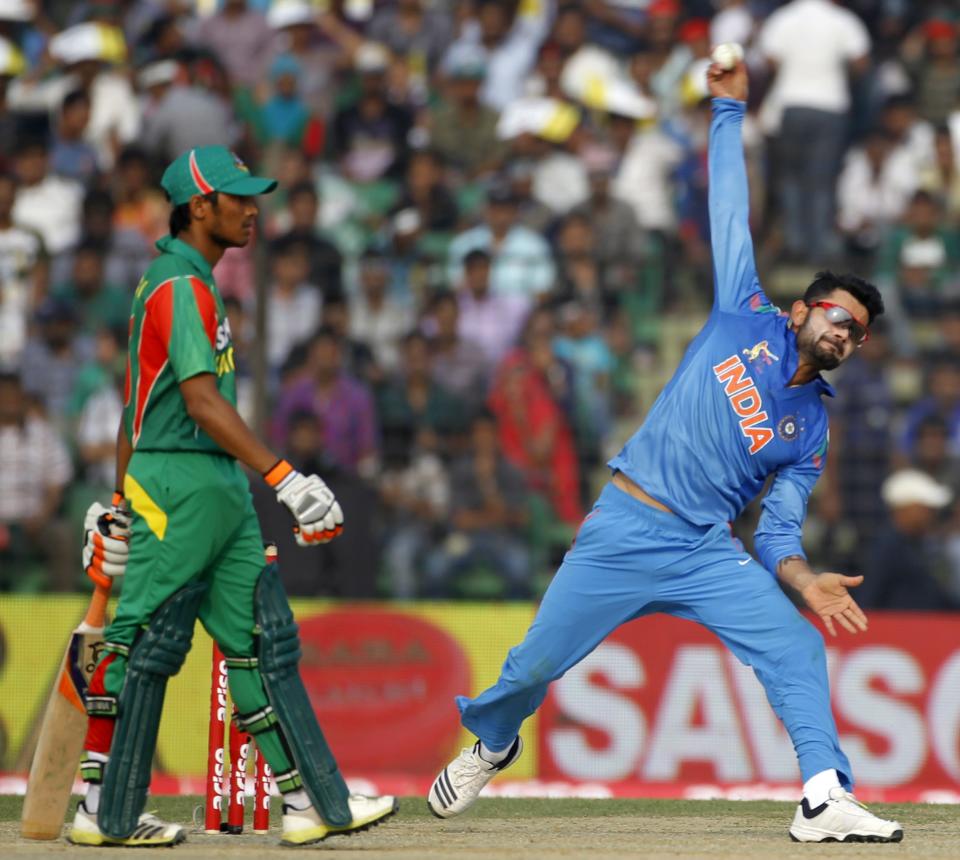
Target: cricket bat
[{"x": 63, "y": 729}]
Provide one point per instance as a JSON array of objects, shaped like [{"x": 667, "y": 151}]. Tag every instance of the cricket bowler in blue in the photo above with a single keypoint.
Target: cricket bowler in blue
[{"x": 744, "y": 404}]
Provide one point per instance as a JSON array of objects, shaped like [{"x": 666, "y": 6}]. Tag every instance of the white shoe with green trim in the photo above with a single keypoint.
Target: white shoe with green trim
[
  {"x": 306, "y": 826},
  {"x": 150, "y": 832}
]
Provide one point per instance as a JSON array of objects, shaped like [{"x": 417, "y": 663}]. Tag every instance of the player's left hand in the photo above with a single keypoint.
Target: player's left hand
[
  {"x": 106, "y": 545},
  {"x": 827, "y": 595}
]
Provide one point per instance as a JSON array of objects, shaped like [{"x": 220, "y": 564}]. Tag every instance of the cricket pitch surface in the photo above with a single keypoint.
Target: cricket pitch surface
[{"x": 530, "y": 829}]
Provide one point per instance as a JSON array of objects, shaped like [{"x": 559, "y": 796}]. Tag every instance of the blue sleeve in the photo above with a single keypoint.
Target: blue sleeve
[
  {"x": 736, "y": 287},
  {"x": 784, "y": 509}
]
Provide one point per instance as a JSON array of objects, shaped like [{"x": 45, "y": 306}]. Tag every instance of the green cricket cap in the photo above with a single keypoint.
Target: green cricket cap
[{"x": 211, "y": 168}]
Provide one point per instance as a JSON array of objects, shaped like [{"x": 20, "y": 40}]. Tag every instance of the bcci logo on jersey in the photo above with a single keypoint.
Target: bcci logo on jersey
[{"x": 744, "y": 398}]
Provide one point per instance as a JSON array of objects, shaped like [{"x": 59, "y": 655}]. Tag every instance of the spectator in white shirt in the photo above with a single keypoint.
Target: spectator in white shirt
[
  {"x": 49, "y": 204},
  {"x": 511, "y": 48},
  {"x": 295, "y": 307},
  {"x": 376, "y": 318},
  {"x": 811, "y": 45},
  {"x": 873, "y": 191}
]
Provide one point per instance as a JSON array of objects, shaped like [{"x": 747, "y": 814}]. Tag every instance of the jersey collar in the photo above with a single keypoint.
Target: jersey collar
[{"x": 172, "y": 245}]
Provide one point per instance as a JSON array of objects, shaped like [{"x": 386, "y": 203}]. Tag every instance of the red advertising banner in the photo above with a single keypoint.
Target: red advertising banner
[{"x": 662, "y": 708}]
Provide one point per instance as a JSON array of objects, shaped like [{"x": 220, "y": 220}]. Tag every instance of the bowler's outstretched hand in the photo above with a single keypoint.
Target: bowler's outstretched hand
[
  {"x": 728, "y": 84},
  {"x": 827, "y": 595}
]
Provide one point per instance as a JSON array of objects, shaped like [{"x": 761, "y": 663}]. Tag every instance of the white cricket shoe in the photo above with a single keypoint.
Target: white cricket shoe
[
  {"x": 842, "y": 818},
  {"x": 306, "y": 826},
  {"x": 150, "y": 831},
  {"x": 460, "y": 782}
]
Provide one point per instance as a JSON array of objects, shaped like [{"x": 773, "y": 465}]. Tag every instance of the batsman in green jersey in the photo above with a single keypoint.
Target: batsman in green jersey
[{"x": 183, "y": 529}]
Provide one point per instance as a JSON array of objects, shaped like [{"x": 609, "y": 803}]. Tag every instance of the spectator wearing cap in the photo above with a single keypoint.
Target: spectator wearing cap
[
  {"x": 45, "y": 202},
  {"x": 647, "y": 161},
  {"x": 935, "y": 72},
  {"x": 240, "y": 38},
  {"x": 522, "y": 263},
  {"x": 461, "y": 127},
  {"x": 284, "y": 117},
  {"x": 907, "y": 568},
  {"x": 295, "y": 32},
  {"x": 35, "y": 471},
  {"x": 369, "y": 139},
  {"x": 811, "y": 45},
  {"x": 509, "y": 39},
  {"x": 53, "y": 357},
  {"x": 89, "y": 56},
  {"x": 23, "y": 276},
  {"x": 181, "y": 114},
  {"x": 70, "y": 154}
]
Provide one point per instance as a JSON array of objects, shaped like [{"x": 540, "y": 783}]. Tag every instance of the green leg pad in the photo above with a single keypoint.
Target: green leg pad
[
  {"x": 279, "y": 652},
  {"x": 158, "y": 653}
]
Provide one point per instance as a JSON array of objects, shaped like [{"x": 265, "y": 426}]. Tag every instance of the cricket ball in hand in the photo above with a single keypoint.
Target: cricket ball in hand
[{"x": 727, "y": 55}]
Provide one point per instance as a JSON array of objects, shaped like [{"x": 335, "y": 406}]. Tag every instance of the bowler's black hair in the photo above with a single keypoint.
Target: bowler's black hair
[
  {"x": 180, "y": 215},
  {"x": 867, "y": 294}
]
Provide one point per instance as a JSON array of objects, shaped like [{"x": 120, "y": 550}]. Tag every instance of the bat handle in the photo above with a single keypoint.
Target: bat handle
[{"x": 97, "y": 610}]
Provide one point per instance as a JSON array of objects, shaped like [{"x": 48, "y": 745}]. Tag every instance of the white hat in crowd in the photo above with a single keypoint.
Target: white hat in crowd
[
  {"x": 89, "y": 41},
  {"x": 17, "y": 10},
  {"x": 913, "y": 487},
  {"x": 371, "y": 57},
  {"x": 290, "y": 13}
]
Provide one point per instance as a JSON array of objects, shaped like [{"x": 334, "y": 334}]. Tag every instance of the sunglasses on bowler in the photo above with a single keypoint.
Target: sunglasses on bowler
[{"x": 839, "y": 315}]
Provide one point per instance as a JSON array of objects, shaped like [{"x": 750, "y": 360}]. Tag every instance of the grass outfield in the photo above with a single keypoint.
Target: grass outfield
[{"x": 539, "y": 828}]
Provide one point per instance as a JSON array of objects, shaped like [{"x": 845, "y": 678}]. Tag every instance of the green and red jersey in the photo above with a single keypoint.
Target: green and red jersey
[{"x": 178, "y": 329}]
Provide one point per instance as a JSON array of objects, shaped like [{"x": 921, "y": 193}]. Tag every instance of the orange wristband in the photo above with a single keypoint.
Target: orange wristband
[{"x": 277, "y": 472}]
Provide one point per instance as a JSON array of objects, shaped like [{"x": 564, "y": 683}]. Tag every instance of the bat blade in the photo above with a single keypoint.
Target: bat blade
[{"x": 60, "y": 741}]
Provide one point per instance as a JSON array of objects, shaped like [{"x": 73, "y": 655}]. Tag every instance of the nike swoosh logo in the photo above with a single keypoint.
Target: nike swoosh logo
[{"x": 745, "y": 561}]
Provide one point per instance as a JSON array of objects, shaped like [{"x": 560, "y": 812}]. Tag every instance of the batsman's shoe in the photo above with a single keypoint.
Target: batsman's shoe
[
  {"x": 150, "y": 832},
  {"x": 305, "y": 826},
  {"x": 458, "y": 785},
  {"x": 842, "y": 818}
]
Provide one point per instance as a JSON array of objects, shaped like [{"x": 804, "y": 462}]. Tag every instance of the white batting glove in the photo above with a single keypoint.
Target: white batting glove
[
  {"x": 309, "y": 499},
  {"x": 106, "y": 545}
]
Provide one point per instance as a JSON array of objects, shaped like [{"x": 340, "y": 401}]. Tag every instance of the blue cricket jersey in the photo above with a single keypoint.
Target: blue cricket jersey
[{"x": 728, "y": 418}]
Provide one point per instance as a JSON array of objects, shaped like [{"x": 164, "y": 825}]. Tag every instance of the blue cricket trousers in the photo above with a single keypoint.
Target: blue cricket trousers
[{"x": 629, "y": 560}]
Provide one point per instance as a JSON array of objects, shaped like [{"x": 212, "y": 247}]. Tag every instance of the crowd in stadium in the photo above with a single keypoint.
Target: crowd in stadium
[{"x": 487, "y": 253}]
